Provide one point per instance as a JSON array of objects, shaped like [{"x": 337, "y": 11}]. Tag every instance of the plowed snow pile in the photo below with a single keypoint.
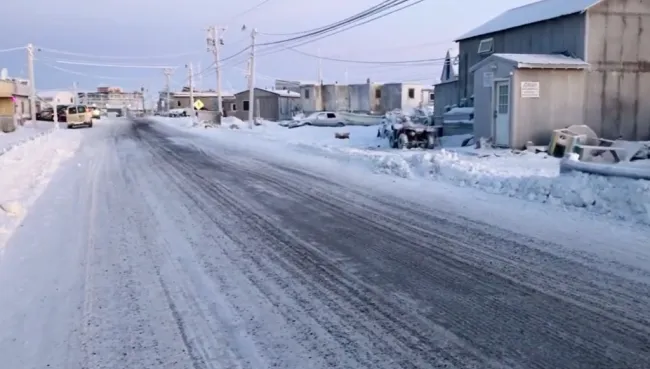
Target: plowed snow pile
[{"x": 534, "y": 177}]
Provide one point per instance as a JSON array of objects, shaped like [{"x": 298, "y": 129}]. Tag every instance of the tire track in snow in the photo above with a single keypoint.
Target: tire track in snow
[{"x": 480, "y": 285}]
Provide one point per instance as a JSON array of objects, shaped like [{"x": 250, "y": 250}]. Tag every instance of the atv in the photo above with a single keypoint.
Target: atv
[{"x": 409, "y": 135}]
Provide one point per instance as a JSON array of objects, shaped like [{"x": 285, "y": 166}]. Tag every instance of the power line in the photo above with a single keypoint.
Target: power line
[
  {"x": 75, "y": 62},
  {"x": 396, "y": 62},
  {"x": 249, "y": 9},
  {"x": 353, "y": 25},
  {"x": 86, "y": 74},
  {"x": 69, "y": 53},
  {"x": 13, "y": 49},
  {"x": 322, "y": 27},
  {"x": 384, "y": 5}
]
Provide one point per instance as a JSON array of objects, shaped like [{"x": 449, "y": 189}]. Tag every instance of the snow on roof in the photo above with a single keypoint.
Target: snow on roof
[
  {"x": 201, "y": 94},
  {"x": 531, "y": 13},
  {"x": 284, "y": 93},
  {"x": 537, "y": 61},
  {"x": 543, "y": 60}
]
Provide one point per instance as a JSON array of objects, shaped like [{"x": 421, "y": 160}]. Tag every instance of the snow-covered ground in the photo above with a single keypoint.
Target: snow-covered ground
[
  {"x": 24, "y": 133},
  {"x": 525, "y": 175},
  {"x": 31, "y": 156}
]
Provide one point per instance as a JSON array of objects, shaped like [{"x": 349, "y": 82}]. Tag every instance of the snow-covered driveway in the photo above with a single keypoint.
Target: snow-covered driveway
[{"x": 155, "y": 248}]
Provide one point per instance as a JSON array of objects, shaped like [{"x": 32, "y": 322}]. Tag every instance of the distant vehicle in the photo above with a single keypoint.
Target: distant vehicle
[
  {"x": 46, "y": 114},
  {"x": 78, "y": 115},
  {"x": 96, "y": 112},
  {"x": 319, "y": 119}
]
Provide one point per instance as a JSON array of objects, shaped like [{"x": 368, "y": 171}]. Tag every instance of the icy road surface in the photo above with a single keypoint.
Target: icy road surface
[{"x": 148, "y": 251}]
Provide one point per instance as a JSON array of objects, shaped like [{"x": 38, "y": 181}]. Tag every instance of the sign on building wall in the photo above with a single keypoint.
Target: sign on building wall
[
  {"x": 488, "y": 78},
  {"x": 529, "y": 90}
]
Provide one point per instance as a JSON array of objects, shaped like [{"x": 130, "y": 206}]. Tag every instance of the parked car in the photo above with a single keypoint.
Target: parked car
[
  {"x": 319, "y": 119},
  {"x": 46, "y": 114}
]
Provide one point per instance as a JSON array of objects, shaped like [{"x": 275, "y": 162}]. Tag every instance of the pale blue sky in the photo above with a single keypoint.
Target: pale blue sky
[{"x": 132, "y": 28}]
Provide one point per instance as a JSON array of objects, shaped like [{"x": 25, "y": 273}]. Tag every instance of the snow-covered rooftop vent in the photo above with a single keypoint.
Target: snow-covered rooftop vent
[{"x": 528, "y": 14}]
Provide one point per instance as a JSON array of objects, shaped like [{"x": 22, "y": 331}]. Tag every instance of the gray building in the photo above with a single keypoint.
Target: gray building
[
  {"x": 210, "y": 100},
  {"x": 607, "y": 34},
  {"x": 404, "y": 96},
  {"x": 446, "y": 94},
  {"x": 533, "y": 95},
  {"x": 274, "y": 105}
]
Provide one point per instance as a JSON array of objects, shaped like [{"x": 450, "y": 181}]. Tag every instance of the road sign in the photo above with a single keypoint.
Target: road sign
[{"x": 198, "y": 105}]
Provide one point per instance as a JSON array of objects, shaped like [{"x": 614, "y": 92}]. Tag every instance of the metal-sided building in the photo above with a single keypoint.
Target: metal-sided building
[
  {"x": 402, "y": 96},
  {"x": 523, "y": 97},
  {"x": 609, "y": 35},
  {"x": 446, "y": 91},
  {"x": 274, "y": 105}
]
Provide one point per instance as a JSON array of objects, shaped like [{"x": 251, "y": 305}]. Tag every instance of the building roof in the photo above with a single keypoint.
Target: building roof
[
  {"x": 528, "y": 14},
  {"x": 201, "y": 94},
  {"x": 283, "y": 93},
  {"x": 536, "y": 61}
]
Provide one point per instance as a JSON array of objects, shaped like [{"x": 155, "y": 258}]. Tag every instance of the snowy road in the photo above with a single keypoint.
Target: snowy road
[{"x": 147, "y": 251}]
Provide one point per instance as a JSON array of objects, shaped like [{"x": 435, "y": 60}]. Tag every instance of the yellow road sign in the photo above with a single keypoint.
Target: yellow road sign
[{"x": 198, "y": 105}]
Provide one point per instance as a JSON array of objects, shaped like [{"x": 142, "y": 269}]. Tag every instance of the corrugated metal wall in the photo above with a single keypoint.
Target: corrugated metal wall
[
  {"x": 552, "y": 36},
  {"x": 618, "y": 85},
  {"x": 446, "y": 94}
]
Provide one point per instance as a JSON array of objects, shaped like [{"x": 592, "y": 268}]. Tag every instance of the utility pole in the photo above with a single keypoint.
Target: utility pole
[
  {"x": 32, "y": 83},
  {"x": 251, "y": 81},
  {"x": 320, "y": 69},
  {"x": 168, "y": 74},
  {"x": 214, "y": 41},
  {"x": 74, "y": 91},
  {"x": 191, "y": 82}
]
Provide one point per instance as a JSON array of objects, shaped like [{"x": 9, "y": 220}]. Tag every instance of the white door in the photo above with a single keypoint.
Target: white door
[{"x": 502, "y": 114}]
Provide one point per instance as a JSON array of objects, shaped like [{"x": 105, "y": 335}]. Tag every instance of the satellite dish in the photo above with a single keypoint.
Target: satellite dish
[{"x": 4, "y": 74}]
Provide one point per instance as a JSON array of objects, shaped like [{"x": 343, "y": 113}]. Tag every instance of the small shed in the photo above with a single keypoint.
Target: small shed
[
  {"x": 524, "y": 97},
  {"x": 274, "y": 105}
]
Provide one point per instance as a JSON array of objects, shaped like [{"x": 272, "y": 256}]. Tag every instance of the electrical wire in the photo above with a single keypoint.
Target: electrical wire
[
  {"x": 353, "y": 25},
  {"x": 13, "y": 49},
  {"x": 384, "y": 5},
  {"x": 249, "y": 9},
  {"x": 86, "y": 74},
  {"x": 75, "y": 62},
  {"x": 69, "y": 53},
  {"x": 317, "y": 28},
  {"x": 396, "y": 62}
]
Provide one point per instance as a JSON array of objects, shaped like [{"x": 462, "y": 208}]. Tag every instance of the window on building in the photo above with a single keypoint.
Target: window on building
[
  {"x": 377, "y": 94},
  {"x": 246, "y": 104},
  {"x": 432, "y": 96},
  {"x": 22, "y": 107},
  {"x": 72, "y": 100},
  {"x": 178, "y": 103},
  {"x": 233, "y": 107},
  {"x": 306, "y": 94},
  {"x": 486, "y": 46},
  {"x": 411, "y": 93}
]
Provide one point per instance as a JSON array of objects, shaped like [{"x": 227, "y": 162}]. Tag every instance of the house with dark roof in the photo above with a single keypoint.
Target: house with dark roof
[{"x": 601, "y": 44}]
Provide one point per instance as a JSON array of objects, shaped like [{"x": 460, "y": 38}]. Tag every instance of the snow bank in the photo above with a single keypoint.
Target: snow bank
[
  {"x": 533, "y": 177},
  {"x": 26, "y": 171},
  {"x": 23, "y": 134}
]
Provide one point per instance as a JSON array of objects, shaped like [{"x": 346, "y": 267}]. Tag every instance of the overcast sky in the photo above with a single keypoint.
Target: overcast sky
[{"x": 109, "y": 32}]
